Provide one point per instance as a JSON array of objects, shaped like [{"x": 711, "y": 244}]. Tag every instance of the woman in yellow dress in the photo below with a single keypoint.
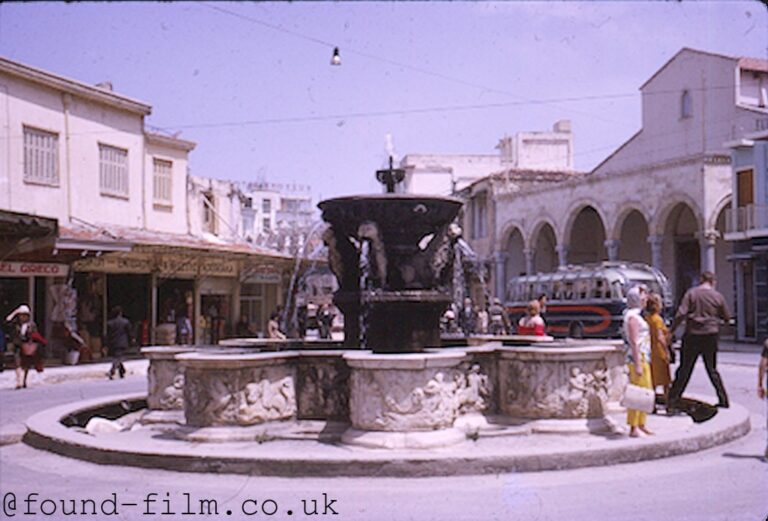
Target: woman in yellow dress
[
  {"x": 637, "y": 335},
  {"x": 660, "y": 358}
]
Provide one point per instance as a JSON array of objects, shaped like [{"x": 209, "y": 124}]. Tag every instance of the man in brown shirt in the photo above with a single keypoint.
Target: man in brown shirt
[{"x": 702, "y": 309}]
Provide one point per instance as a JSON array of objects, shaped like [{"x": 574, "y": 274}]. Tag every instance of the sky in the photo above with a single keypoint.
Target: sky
[{"x": 252, "y": 84}]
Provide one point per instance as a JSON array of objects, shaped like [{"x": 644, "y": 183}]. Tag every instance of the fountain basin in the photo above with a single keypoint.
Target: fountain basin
[
  {"x": 404, "y": 400},
  {"x": 165, "y": 377},
  {"x": 238, "y": 389},
  {"x": 555, "y": 382}
]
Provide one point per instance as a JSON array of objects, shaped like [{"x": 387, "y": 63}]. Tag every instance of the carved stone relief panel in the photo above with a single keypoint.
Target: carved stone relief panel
[
  {"x": 243, "y": 396},
  {"x": 553, "y": 389},
  {"x": 404, "y": 400},
  {"x": 166, "y": 382}
]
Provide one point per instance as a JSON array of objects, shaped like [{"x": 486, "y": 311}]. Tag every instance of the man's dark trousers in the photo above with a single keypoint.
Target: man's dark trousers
[{"x": 693, "y": 346}]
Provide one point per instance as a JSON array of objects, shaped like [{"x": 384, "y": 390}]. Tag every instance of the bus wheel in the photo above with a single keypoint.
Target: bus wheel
[{"x": 576, "y": 330}]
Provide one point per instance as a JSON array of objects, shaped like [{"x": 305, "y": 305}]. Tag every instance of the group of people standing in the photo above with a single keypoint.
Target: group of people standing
[
  {"x": 494, "y": 320},
  {"x": 472, "y": 319},
  {"x": 649, "y": 344}
]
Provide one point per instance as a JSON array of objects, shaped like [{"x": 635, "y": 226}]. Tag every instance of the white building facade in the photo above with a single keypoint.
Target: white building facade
[
  {"x": 126, "y": 234},
  {"x": 661, "y": 198},
  {"x": 440, "y": 174}
]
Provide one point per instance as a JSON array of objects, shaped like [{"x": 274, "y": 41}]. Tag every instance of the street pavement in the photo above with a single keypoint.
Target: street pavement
[{"x": 728, "y": 482}]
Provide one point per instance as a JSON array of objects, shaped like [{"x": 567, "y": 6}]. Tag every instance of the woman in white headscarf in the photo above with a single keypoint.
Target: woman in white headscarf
[
  {"x": 27, "y": 343},
  {"x": 638, "y": 338}
]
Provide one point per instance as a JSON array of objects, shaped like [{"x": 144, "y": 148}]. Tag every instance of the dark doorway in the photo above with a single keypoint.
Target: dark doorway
[
  {"x": 687, "y": 267},
  {"x": 132, "y": 293}
]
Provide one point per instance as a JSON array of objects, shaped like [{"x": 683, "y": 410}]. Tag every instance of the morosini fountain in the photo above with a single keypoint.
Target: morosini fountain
[{"x": 391, "y": 387}]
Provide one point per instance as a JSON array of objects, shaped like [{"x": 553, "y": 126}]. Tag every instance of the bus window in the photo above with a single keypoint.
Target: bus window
[
  {"x": 568, "y": 291},
  {"x": 616, "y": 292},
  {"x": 556, "y": 291},
  {"x": 581, "y": 288},
  {"x": 598, "y": 288},
  {"x": 542, "y": 288}
]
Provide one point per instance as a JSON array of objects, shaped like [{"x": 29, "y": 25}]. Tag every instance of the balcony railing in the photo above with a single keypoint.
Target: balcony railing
[{"x": 747, "y": 218}]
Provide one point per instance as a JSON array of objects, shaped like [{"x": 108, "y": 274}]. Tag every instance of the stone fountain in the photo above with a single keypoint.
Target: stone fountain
[
  {"x": 391, "y": 385},
  {"x": 244, "y": 405}
]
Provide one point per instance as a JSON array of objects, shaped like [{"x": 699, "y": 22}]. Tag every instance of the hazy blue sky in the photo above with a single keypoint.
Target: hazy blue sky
[{"x": 251, "y": 83}]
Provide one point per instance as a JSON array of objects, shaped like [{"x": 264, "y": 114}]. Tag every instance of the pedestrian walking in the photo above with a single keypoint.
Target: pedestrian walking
[
  {"x": 467, "y": 318},
  {"x": 702, "y": 309},
  {"x": 325, "y": 320},
  {"x": 543, "y": 306},
  {"x": 183, "y": 328},
  {"x": 118, "y": 341},
  {"x": 531, "y": 323},
  {"x": 28, "y": 344},
  {"x": 273, "y": 327},
  {"x": 638, "y": 349},
  {"x": 660, "y": 345},
  {"x": 499, "y": 319},
  {"x": 483, "y": 320},
  {"x": 762, "y": 384}
]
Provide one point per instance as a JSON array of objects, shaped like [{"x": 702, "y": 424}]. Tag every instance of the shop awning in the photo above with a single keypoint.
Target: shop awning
[{"x": 21, "y": 233}]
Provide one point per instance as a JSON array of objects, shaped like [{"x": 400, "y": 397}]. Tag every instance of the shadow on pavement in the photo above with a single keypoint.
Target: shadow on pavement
[{"x": 732, "y": 455}]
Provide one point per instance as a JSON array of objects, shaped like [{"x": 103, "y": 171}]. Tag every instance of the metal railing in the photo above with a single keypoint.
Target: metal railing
[{"x": 747, "y": 218}]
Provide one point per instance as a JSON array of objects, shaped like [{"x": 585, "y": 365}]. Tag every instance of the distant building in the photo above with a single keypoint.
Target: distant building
[
  {"x": 119, "y": 228},
  {"x": 661, "y": 198},
  {"x": 442, "y": 174},
  {"x": 283, "y": 213},
  {"x": 747, "y": 228}
]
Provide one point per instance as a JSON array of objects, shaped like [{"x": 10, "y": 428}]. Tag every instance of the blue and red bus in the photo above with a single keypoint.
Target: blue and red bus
[{"x": 585, "y": 301}]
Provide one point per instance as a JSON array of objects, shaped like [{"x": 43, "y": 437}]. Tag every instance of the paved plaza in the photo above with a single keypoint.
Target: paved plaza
[{"x": 723, "y": 482}]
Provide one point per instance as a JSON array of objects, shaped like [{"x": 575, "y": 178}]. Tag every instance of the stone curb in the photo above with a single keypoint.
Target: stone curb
[
  {"x": 12, "y": 433},
  {"x": 55, "y": 375},
  {"x": 45, "y": 432}
]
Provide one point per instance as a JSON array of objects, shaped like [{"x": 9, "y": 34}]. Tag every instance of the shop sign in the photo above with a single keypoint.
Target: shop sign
[
  {"x": 218, "y": 268},
  {"x": 115, "y": 264},
  {"x": 177, "y": 265},
  {"x": 32, "y": 269},
  {"x": 265, "y": 278},
  {"x": 263, "y": 274}
]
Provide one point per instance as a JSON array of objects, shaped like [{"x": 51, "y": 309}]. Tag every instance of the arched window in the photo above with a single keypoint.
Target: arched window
[{"x": 686, "y": 105}]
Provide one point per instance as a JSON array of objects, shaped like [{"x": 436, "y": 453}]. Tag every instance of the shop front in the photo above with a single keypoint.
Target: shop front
[
  {"x": 260, "y": 295},
  {"x": 38, "y": 285}
]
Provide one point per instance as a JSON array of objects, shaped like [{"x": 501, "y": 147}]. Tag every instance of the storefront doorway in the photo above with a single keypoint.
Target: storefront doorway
[
  {"x": 132, "y": 293},
  {"x": 175, "y": 301}
]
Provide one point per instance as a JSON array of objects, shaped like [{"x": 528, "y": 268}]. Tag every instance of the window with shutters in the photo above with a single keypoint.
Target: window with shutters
[
  {"x": 113, "y": 171},
  {"x": 41, "y": 157},
  {"x": 162, "y": 193},
  {"x": 745, "y": 193}
]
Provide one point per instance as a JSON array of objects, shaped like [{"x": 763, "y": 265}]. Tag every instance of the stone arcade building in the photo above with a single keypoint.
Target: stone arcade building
[{"x": 661, "y": 198}]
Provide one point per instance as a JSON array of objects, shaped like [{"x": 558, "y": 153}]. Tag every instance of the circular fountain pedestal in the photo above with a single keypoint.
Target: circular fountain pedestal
[{"x": 404, "y": 400}]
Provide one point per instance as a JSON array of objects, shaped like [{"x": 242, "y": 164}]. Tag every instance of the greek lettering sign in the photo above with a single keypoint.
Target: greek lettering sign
[
  {"x": 32, "y": 269},
  {"x": 218, "y": 268},
  {"x": 170, "y": 265},
  {"x": 263, "y": 274},
  {"x": 115, "y": 264}
]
